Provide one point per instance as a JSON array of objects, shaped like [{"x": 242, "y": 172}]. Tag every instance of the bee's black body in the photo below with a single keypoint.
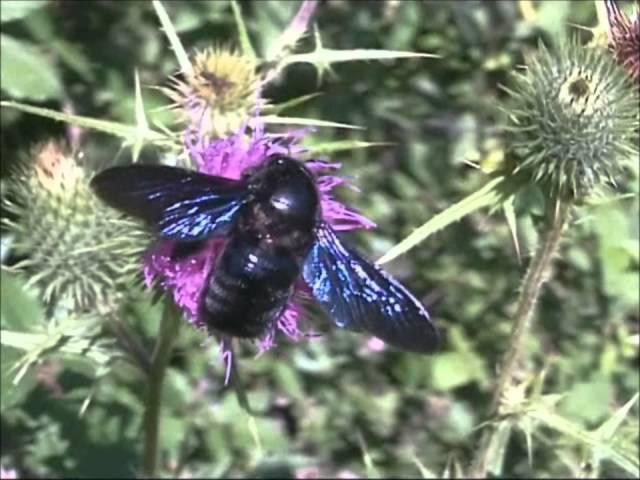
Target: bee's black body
[
  {"x": 266, "y": 248},
  {"x": 274, "y": 236}
]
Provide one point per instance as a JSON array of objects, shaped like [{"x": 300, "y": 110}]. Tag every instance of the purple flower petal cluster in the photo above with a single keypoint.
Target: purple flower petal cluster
[
  {"x": 229, "y": 157},
  {"x": 624, "y": 38}
]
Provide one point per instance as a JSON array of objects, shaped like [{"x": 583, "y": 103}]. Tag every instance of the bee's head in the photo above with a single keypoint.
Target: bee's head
[{"x": 286, "y": 188}]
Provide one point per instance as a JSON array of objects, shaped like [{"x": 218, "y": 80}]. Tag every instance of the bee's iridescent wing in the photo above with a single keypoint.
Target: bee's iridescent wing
[
  {"x": 359, "y": 295},
  {"x": 182, "y": 204}
]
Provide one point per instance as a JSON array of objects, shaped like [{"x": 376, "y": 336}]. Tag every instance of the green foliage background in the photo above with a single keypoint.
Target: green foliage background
[{"x": 334, "y": 405}]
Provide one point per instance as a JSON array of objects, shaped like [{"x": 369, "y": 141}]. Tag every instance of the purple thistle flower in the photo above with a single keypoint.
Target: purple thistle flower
[
  {"x": 624, "y": 38},
  {"x": 230, "y": 157}
]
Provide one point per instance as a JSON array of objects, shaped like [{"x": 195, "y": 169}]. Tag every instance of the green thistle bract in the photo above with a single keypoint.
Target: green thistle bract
[
  {"x": 76, "y": 250},
  {"x": 573, "y": 117}
]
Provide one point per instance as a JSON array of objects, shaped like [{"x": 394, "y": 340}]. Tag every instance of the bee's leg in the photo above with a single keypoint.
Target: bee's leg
[{"x": 183, "y": 250}]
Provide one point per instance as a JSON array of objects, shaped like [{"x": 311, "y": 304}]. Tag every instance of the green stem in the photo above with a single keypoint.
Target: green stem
[
  {"x": 169, "y": 326},
  {"x": 536, "y": 276}
]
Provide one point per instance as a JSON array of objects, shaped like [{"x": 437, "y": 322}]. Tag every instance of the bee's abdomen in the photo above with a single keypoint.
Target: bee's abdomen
[
  {"x": 222, "y": 292},
  {"x": 248, "y": 289}
]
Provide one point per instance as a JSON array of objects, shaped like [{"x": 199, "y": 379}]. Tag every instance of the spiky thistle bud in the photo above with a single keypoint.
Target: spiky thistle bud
[
  {"x": 75, "y": 250},
  {"x": 572, "y": 115},
  {"x": 218, "y": 95}
]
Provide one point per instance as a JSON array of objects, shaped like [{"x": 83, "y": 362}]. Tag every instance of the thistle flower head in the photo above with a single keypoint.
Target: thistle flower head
[
  {"x": 572, "y": 115},
  {"x": 74, "y": 249},
  {"x": 624, "y": 38},
  {"x": 230, "y": 157},
  {"x": 219, "y": 92}
]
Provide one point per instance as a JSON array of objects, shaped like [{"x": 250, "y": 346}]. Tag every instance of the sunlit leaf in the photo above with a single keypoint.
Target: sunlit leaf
[
  {"x": 16, "y": 9},
  {"x": 329, "y": 56},
  {"x": 26, "y": 72},
  {"x": 306, "y": 122},
  {"x": 491, "y": 194}
]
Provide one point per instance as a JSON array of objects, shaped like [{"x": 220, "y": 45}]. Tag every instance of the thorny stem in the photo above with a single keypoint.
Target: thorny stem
[
  {"x": 536, "y": 276},
  {"x": 169, "y": 326}
]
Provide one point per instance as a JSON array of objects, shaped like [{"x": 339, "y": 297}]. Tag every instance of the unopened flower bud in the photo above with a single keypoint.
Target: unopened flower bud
[
  {"x": 573, "y": 115},
  {"x": 72, "y": 247}
]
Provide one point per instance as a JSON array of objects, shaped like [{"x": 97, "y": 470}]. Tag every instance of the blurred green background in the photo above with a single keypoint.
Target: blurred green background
[{"x": 336, "y": 406}]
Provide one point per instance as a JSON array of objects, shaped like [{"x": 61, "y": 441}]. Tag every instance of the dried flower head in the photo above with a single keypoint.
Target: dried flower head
[
  {"x": 219, "y": 93},
  {"x": 624, "y": 38},
  {"x": 230, "y": 157},
  {"x": 72, "y": 247},
  {"x": 572, "y": 116}
]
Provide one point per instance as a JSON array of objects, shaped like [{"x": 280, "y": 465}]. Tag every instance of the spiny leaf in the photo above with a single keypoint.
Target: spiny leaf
[
  {"x": 424, "y": 471},
  {"x": 288, "y": 39},
  {"x": 321, "y": 67},
  {"x": 328, "y": 56},
  {"x": 341, "y": 145},
  {"x": 245, "y": 41},
  {"x": 510, "y": 215},
  {"x": 172, "y": 36},
  {"x": 498, "y": 448},
  {"x": 130, "y": 133},
  {"x": 492, "y": 193},
  {"x": 35, "y": 344},
  {"x": 309, "y": 122},
  {"x": 277, "y": 108},
  {"x": 141, "y": 119},
  {"x": 74, "y": 335},
  {"x": 453, "y": 469},
  {"x": 608, "y": 428},
  {"x": 372, "y": 471},
  {"x": 527, "y": 427},
  {"x": 621, "y": 457}
]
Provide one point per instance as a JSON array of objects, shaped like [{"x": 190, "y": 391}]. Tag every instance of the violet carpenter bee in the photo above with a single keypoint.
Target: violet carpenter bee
[{"x": 274, "y": 234}]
